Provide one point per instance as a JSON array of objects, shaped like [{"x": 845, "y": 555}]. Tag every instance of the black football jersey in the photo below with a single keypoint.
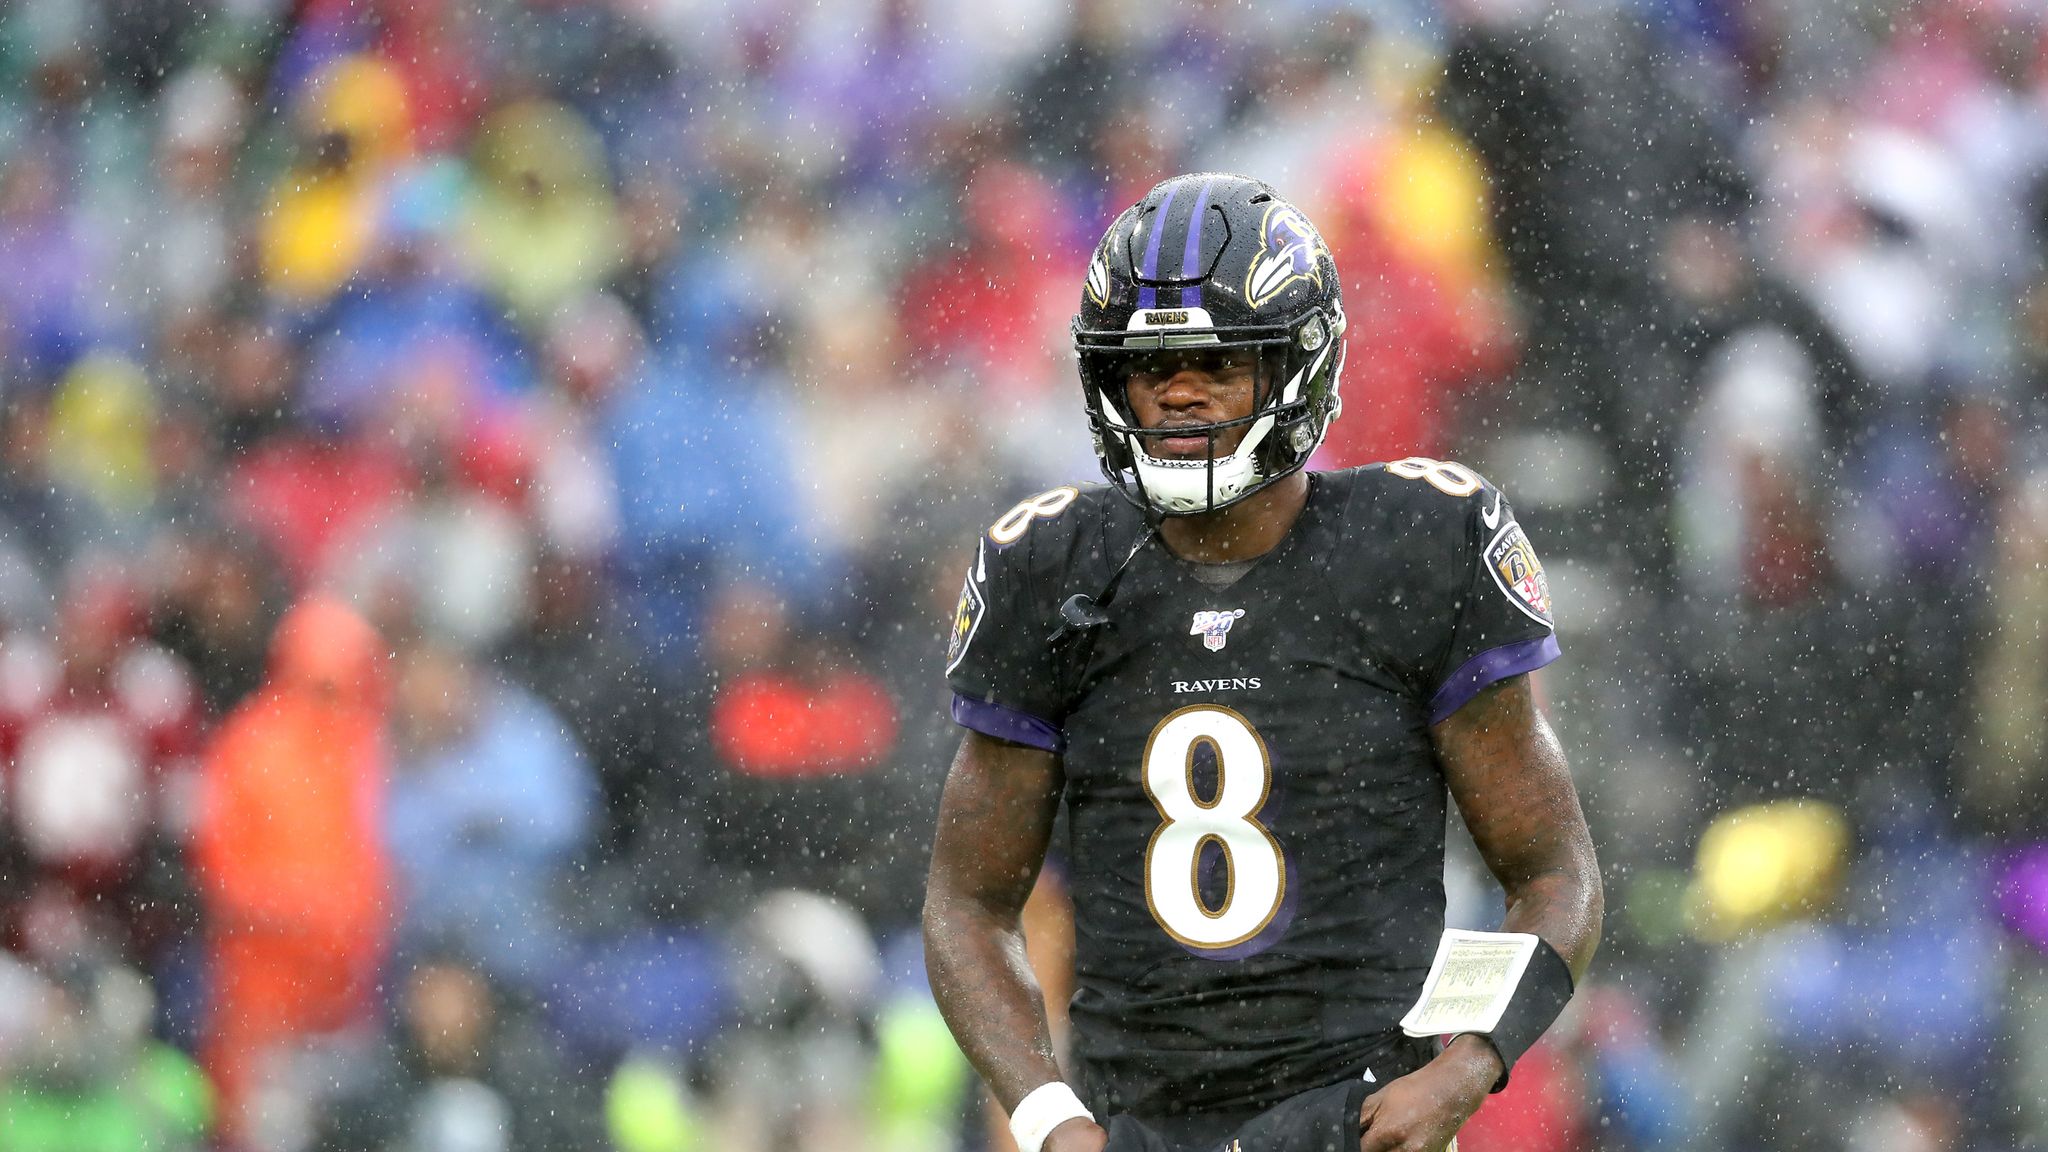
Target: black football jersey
[{"x": 1255, "y": 815}]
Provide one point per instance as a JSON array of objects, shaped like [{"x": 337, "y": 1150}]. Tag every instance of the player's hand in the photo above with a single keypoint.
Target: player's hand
[
  {"x": 1077, "y": 1135},
  {"x": 1422, "y": 1111}
]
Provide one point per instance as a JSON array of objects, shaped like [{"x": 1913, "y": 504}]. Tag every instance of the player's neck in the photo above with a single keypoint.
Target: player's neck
[{"x": 1244, "y": 531}]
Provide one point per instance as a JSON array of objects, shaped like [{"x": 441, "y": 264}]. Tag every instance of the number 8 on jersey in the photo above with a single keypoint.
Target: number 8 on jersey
[{"x": 1257, "y": 872}]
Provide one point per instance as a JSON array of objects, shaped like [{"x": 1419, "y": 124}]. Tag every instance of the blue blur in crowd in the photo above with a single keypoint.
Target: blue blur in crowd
[
  {"x": 709, "y": 492},
  {"x": 483, "y": 829}
]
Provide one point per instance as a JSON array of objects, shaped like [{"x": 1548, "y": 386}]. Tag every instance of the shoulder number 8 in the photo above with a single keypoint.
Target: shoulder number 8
[
  {"x": 1009, "y": 528},
  {"x": 1257, "y": 871},
  {"x": 1446, "y": 476}
]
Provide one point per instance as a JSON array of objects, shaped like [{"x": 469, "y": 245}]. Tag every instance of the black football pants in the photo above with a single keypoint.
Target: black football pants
[{"x": 1320, "y": 1120}]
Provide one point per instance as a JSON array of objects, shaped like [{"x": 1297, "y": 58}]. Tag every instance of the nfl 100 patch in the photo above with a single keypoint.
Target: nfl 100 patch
[
  {"x": 1213, "y": 627},
  {"x": 1512, "y": 560}
]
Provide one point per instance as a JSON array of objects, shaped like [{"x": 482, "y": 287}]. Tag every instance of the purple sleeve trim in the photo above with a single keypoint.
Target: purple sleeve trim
[
  {"x": 1489, "y": 667},
  {"x": 992, "y": 719}
]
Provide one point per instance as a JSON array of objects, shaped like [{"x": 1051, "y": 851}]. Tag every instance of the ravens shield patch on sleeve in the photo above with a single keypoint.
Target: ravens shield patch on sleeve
[{"x": 1512, "y": 560}]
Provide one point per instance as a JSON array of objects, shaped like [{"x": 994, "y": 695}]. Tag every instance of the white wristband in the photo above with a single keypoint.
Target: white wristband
[{"x": 1043, "y": 1109}]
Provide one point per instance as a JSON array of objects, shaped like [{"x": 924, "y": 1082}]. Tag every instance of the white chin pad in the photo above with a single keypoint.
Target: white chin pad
[{"x": 1183, "y": 485}]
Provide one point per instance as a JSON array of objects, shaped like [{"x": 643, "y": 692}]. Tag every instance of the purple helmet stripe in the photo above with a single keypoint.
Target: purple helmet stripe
[
  {"x": 1191, "y": 297},
  {"x": 1147, "y": 297},
  {"x": 1159, "y": 219}
]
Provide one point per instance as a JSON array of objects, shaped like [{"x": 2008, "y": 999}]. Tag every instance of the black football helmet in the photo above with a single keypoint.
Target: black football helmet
[{"x": 1211, "y": 259}]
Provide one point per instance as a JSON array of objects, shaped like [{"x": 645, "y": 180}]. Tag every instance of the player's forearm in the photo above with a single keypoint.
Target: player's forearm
[
  {"x": 1564, "y": 905},
  {"x": 1507, "y": 770},
  {"x": 1561, "y": 905},
  {"x": 1508, "y": 773},
  {"x": 990, "y": 999},
  {"x": 994, "y": 820}
]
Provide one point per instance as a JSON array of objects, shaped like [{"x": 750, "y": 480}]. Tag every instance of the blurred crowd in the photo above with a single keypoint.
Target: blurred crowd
[{"x": 484, "y": 486}]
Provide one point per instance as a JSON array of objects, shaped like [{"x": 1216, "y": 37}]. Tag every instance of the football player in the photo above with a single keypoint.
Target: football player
[{"x": 1254, "y": 688}]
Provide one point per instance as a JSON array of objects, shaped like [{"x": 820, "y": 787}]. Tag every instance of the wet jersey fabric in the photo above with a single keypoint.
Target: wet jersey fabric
[{"x": 1254, "y": 812}]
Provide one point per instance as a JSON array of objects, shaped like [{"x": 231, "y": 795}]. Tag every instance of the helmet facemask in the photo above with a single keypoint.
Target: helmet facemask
[{"x": 1295, "y": 374}]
